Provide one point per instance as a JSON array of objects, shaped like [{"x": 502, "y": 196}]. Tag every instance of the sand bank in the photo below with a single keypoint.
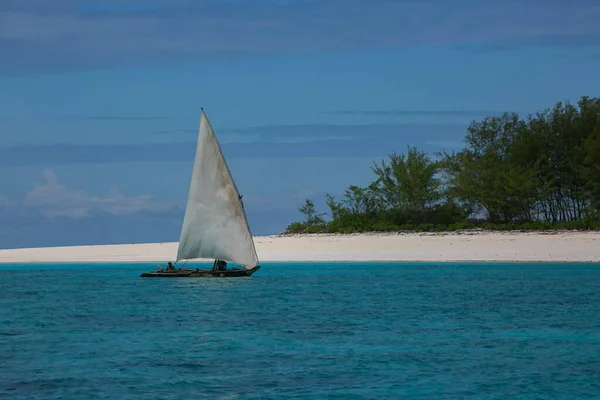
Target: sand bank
[{"x": 462, "y": 246}]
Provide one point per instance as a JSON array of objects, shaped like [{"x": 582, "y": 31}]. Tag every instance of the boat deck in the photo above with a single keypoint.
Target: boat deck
[{"x": 200, "y": 273}]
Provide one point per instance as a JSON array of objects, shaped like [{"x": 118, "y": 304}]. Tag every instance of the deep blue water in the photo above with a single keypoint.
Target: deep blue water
[{"x": 306, "y": 331}]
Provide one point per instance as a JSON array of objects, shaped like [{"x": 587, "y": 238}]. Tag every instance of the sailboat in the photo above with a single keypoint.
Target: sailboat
[{"x": 215, "y": 224}]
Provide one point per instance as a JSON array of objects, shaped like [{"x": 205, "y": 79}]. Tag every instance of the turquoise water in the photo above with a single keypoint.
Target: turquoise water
[{"x": 305, "y": 331}]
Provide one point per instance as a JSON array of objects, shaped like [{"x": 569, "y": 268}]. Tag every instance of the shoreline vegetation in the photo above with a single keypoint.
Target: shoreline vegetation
[{"x": 540, "y": 173}]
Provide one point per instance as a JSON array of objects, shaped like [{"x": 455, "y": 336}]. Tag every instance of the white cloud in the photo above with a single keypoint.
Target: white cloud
[
  {"x": 5, "y": 201},
  {"x": 289, "y": 134},
  {"x": 53, "y": 199},
  {"x": 235, "y": 137},
  {"x": 39, "y": 35},
  {"x": 53, "y": 192},
  {"x": 310, "y": 139}
]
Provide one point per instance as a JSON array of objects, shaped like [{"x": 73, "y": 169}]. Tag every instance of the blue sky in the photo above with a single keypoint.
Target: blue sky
[{"x": 100, "y": 101}]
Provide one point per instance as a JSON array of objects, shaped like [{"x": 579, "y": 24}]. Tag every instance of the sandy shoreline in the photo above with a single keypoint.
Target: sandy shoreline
[{"x": 463, "y": 246}]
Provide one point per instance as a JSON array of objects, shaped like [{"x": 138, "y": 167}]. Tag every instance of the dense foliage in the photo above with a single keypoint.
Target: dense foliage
[{"x": 513, "y": 173}]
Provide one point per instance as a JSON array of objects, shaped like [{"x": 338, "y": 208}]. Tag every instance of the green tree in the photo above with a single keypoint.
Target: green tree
[
  {"x": 409, "y": 183},
  {"x": 544, "y": 169},
  {"x": 486, "y": 175},
  {"x": 358, "y": 210},
  {"x": 313, "y": 221},
  {"x": 589, "y": 169}
]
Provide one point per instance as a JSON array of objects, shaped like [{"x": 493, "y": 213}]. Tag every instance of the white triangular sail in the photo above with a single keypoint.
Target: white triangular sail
[{"x": 215, "y": 224}]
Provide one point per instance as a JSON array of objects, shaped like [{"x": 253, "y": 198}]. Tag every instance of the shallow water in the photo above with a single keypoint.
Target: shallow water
[{"x": 337, "y": 330}]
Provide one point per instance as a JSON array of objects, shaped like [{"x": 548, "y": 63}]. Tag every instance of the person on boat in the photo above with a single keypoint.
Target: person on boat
[
  {"x": 170, "y": 267},
  {"x": 219, "y": 265}
]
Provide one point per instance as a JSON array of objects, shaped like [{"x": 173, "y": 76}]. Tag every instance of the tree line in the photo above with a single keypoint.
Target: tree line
[{"x": 538, "y": 172}]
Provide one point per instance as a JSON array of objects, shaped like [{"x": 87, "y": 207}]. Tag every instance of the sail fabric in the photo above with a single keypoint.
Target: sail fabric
[{"x": 215, "y": 224}]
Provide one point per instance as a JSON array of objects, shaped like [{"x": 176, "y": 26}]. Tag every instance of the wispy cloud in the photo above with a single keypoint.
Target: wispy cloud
[
  {"x": 123, "y": 118},
  {"x": 418, "y": 113},
  {"x": 90, "y": 117},
  {"x": 55, "y": 214},
  {"x": 290, "y": 134},
  {"x": 27, "y": 227},
  {"x": 53, "y": 199},
  {"x": 566, "y": 41},
  {"x": 39, "y": 35},
  {"x": 317, "y": 132},
  {"x": 278, "y": 141}
]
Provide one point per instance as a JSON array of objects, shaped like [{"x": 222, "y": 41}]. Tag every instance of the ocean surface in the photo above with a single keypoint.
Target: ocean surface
[{"x": 302, "y": 331}]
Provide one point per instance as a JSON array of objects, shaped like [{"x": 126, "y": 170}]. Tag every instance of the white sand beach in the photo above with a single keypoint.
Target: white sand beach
[{"x": 461, "y": 246}]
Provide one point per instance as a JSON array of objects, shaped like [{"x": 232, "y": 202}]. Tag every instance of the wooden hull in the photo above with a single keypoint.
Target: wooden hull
[{"x": 201, "y": 273}]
